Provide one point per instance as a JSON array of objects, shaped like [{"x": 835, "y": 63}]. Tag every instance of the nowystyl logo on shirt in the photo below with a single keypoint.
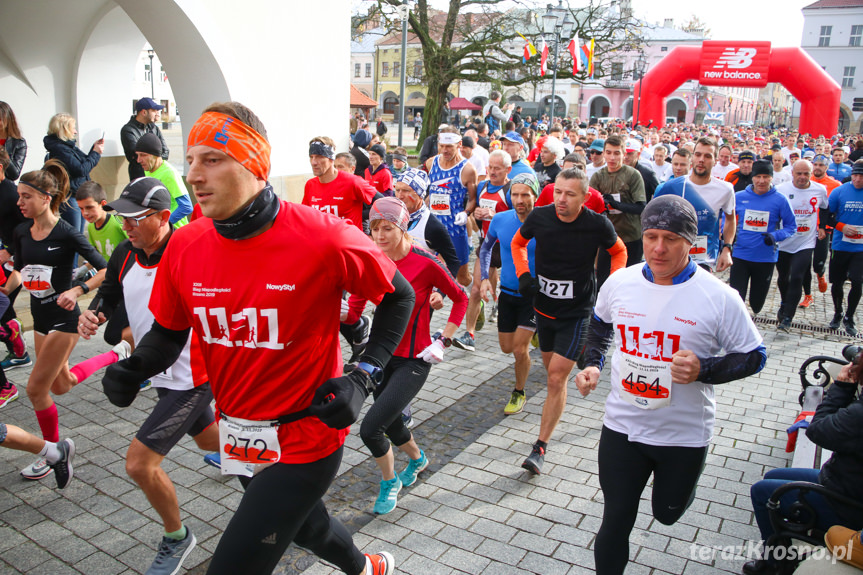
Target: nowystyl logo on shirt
[{"x": 250, "y": 328}]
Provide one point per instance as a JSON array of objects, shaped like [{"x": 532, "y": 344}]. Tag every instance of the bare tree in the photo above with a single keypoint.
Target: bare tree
[{"x": 474, "y": 40}]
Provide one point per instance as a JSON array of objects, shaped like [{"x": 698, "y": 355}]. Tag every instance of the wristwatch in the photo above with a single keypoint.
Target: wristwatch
[
  {"x": 729, "y": 246},
  {"x": 376, "y": 374},
  {"x": 446, "y": 341}
]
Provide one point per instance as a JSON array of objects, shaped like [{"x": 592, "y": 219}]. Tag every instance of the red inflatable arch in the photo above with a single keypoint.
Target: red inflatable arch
[{"x": 748, "y": 64}]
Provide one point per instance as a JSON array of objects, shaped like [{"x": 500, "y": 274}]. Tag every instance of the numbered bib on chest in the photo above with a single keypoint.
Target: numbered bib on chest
[
  {"x": 698, "y": 251},
  {"x": 439, "y": 204},
  {"x": 756, "y": 220},
  {"x": 37, "y": 280},
  {"x": 557, "y": 289},
  {"x": 804, "y": 224},
  {"x": 489, "y": 205},
  {"x": 852, "y": 238},
  {"x": 645, "y": 383},
  {"x": 248, "y": 447},
  {"x": 616, "y": 199}
]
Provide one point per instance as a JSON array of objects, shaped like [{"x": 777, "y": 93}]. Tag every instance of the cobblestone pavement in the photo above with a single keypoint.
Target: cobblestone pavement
[{"x": 473, "y": 511}]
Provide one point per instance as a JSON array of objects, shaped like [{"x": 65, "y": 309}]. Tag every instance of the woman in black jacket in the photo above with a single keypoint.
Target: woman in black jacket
[
  {"x": 60, "y": 143},
  {"x": 836, "y": 426},
  {"x": 10, "y": 137}
]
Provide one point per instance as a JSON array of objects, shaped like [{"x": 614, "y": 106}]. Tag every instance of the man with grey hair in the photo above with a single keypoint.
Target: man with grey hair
[{"x": 493, "y": 116}]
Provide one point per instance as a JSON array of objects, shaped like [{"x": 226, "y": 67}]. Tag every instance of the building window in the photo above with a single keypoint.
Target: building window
[
  {"x": 147, "y": 73},
  {"x": 397, "y": 66},
  {"x": 418, "y": 68},
  {"x": 617, "y": 71},
  {"x": 824, "y": 38},
  {"x": 856, "y": 35},
  {"x": 385, "y": 70},
  {"x": 368, "y": 70},
  {"x": 848, "y": 76},
  {"x": 356, "y": 70},
  {"x": 664, "y": 49}
]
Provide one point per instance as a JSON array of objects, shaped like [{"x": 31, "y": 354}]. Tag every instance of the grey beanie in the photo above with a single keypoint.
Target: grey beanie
[{"x": 671, "y": 213}]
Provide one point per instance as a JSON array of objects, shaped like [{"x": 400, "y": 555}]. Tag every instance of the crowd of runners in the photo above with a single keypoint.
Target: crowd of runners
[{"x": 586, "y": 238}]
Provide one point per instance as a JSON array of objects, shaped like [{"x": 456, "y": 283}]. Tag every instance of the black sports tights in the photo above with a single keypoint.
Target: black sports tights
[
  {"x": 283, "y": 504},
  {"x": 754, "y": 276},
  {"x": 624, "y": 468},
  {"x": 403, "y": 378}
]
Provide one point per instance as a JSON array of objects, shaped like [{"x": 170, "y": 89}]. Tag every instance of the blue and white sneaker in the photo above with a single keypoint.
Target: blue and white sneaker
[
  {"x": 11, "y": 361},
  {"x": 409, "y": 476},
  {"x": 388, "y": 496},
  {"x": 171, "y": 555},
  {"x": 214, "y": 460}
]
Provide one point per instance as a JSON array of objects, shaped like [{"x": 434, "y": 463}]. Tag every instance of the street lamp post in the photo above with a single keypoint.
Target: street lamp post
[
  {"x": 152, "y": 53},
  {"x": 403, "y": 12},
  {"x": 641, "y": 68},
  {"x": 558, "y": 24}
]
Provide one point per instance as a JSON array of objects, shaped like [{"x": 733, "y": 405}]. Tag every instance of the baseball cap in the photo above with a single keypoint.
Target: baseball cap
[
  {"x": 597, "y": 145},
  {"x": 139, "y": 196},
  {"x": 633, "y": 145},
  {"x": 746, "y": 155},
  {"x": 513, "y": 137},
  {"x": 147, "y": 104}
]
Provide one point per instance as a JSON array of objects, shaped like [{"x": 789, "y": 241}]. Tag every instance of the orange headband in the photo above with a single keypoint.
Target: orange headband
[{"x": 230, "y": 135}]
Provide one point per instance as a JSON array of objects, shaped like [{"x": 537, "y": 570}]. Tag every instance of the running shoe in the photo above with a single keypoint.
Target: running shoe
[
  {"x": 63, "y": 467},
  {"x": 11, "y": 361},
  {"x": 388, "y": 496},
  {"x": 534, "y": 340},
  {"x": 785, "y": 324},
  {"x": 122, "y": 349},
  {"x": 214, "y": 460},
  {"x": 382, "y": 563},
  {"x": 146, "y": 385},
  {"x": 836, "y": 321},
  {"x": 493, "y": 316},
  {"x": 409, "y": 476},
  {"x": 848, "y": 324},
  {"x": 16, "y": 337},
  {"x": 807, "y": 301},
  {"x": 822, "y": 284},
  {"x": 408, "y": 420},
  {"x": 480, "y": 319},
  {"x": 361, "y": 330},
  {"x": 465, "y": 342},
  {"x": 37, "y": 470},
  {"x": 516, "y": 403},
  {"x": 534, "y": 461},
  {"x": 9, "y": 393},
  {"x": 171, "y": 555}
]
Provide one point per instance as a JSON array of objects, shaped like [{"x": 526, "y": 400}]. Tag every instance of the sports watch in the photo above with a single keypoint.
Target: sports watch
[
  {"x": 376, "y": 374},
  {"x": 446, "y": 341}
]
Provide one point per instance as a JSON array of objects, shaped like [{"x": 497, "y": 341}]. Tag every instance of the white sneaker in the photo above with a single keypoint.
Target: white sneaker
[
  {"x": 122, "y": 349},
  {"x": 37, "y": 470}
]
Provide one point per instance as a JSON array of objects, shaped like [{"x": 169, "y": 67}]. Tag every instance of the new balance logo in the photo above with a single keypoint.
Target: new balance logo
[
  {"x": 735, "y": 59},
  {"x": 269, "y": 539}
]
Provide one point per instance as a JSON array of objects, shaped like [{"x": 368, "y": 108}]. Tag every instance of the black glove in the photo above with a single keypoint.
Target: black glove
[
  {"x": 122, "y": 381},
  {"x": 769, "y": 239},
  {"x": 338, "y": 401},
  {"x": 527, "y": 285},
  {"x": 610, "y": 201}
]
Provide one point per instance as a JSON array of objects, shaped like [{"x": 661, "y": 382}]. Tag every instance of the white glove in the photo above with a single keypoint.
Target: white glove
[
  {"x": 460, "y": 219},
  {"x": 343, "y": 317},
  {"x": 434, "y": 353}
]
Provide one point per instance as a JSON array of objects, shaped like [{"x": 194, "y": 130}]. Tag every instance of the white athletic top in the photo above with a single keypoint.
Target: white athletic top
[
  {"x": 718, "y": 193},
  {"x": 479, "y": 160},
  {"x": 137, "y": 287},
  {"x": 805, "y": 204},
  {"x": 591, "y": 169},
  {"x": 663, "y": 172},
  {"x": 720, "y": 171},
  {"x": 701, "y": 314},
  {"x": 781, "y": 178}
]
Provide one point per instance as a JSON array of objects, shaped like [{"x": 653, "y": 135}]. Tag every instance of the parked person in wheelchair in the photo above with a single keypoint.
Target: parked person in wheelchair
[{"x": 836, "y": 426}]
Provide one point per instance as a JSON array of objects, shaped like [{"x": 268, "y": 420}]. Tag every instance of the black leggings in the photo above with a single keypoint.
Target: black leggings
[
  {"x": 634, "y": 254},
  {"x": 791, "y": 269},
  {"x": 819, "y": 261},
  {"x": 282, "y": 504},
  {"x": 624, "y": 468},
  {"x": 754, "y": 276},
  {"x": 846, "y": 266},
  {"x": 403, "y": 378}
]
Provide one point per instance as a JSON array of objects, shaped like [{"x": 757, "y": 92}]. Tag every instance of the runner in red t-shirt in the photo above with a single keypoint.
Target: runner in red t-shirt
[
  {"x": 594, "y": 199},
  {"x": 270, "y": 343},
  {"x": 378, "y": 174}
]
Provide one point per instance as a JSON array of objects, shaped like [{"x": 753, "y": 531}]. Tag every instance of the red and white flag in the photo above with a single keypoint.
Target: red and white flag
[
  {"x": 543, "y": 61},
  {"x": 574, "y": 52}
]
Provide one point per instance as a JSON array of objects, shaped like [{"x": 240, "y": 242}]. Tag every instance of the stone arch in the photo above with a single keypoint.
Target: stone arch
[
  {"x": 676, "y": 108},
  {"x": 598, "y": 106}
]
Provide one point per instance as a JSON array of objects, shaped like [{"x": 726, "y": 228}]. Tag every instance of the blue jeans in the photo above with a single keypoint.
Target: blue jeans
[{"x": 762, "y": 490}]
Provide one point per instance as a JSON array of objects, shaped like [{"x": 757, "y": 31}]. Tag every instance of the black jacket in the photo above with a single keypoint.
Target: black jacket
[
  {"x": 10, "y": 215},
  {"x": 838, "y": 426},
  {"x": 129, "y": 136},
  {"x": 77, "y": 163},
  {"x": 649, "y": 177},
  {"x": 429, "y": 149},
  {"x": 17, "y": 150}
]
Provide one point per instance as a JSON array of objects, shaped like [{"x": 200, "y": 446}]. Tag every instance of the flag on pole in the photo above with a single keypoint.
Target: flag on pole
[
  {"x": 592, "y": 54},
  {"x": 709, "y": 102},
  {"x": 573, "y": 49},
  {"x": 543, "y": 61},
  {"x": 529, "y": 49},
  {"x": 587, "y": 58}
]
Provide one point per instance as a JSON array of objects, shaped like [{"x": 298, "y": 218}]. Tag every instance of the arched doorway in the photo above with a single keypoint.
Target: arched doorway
[
  {"x": 626, "y": 109},
  {"x": 479, "y": 100},
  {"x": 559, "y": 106},
  {"x": 676, "y": 108},
  {"x": 389, "y": 102},
  {"x": 599, "y": 107},
  {"x": 844, "y": 120}
]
